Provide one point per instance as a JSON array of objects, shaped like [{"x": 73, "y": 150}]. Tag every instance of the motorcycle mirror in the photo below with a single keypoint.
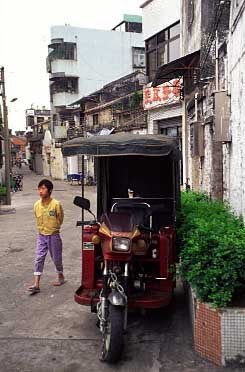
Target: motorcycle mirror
[{"x": 82, "y": 203}]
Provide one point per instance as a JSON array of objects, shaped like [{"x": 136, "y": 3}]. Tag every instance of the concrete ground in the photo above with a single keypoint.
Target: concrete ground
[{"x": 50, "y": 332}]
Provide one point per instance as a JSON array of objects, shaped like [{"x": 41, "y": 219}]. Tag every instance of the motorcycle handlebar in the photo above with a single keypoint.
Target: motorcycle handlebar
[{"x": 85, "y": 223}]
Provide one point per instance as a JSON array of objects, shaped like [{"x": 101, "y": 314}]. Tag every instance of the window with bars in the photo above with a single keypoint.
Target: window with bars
[
  {"x": 63, "y": 51},
  {"x": 162, "y": 48},
  {"x": 64, "y": 84}
]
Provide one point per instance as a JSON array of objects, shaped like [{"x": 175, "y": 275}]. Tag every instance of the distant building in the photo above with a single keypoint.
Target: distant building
[
  {"x": 117, "y": 107},
  {"x": 18, "y": 148},
  {"x": 1, "y": 149},
  {"x": 37, "y": 121},
  {"x": 20, "y": 133},
  {"x": 81, "y": 61}
]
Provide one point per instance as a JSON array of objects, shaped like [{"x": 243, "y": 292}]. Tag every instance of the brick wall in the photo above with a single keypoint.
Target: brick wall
[{"x": 207, "y": 333}]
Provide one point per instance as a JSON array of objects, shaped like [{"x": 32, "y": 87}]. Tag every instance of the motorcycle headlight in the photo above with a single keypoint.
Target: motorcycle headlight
[{"x": 121, "y": 244}]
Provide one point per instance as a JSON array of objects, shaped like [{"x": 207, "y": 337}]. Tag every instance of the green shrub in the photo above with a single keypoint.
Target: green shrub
[{"x": 212, "y": 248}]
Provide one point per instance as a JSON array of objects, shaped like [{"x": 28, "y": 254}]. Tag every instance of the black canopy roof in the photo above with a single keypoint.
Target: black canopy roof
[
  {"x": 122, "y": 144},
  {"x": 176, "y": 68}
]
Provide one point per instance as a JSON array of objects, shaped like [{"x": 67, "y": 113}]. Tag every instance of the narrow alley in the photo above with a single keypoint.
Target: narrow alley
[{"x": 49, "y": 331}]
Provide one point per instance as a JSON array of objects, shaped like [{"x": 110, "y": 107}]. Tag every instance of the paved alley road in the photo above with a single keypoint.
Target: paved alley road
[{"x": 50, "y": 332}]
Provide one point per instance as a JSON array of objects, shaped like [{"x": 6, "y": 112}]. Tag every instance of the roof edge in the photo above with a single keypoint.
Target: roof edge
[{"x": 145, "y": 3}]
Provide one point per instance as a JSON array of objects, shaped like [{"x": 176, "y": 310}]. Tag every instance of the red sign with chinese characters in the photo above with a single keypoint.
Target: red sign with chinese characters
[{"x": 164, "y": 94}]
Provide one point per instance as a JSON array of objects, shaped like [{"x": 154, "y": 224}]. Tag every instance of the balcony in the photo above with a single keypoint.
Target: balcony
[
  {"x": 62, "y": 50},
  {"x": 75, "y": 132},
  {"x": 63, "y": 89}
]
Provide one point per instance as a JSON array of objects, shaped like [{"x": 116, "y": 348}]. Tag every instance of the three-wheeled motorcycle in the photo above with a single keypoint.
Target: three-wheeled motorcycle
[{"x": 128, "y": 251}]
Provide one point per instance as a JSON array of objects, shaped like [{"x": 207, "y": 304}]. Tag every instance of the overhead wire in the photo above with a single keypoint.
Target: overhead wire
[{"x": 217, "y": 18}]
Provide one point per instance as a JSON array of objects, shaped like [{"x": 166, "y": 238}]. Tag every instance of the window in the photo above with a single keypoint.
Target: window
[
  {"x": 63, "y": 51},
  {"x": 40, "y": 119},
  {"x": 174, "y": 49},
  {"x": 162, "y": 48},
  {"x": 95, "y": 119},
  {"x": 171, "y": 131},
  {"x": 133, "y": 27},
  {"x": 172, "y": 127},
  {"x": 138, "y": 57},
  {"x": 64, "y": 84},
  {"x": 30, "y": 121}
]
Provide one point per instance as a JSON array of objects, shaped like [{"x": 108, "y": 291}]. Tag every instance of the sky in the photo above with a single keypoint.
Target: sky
[{"x": 25, "y": 35}]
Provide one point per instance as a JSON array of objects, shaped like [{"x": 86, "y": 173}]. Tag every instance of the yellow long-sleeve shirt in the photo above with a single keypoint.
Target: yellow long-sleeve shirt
[{"x": 49, "y": 218}]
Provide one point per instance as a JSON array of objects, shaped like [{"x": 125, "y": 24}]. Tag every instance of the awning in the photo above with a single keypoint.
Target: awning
[
  {"x": 37, "y": 138},
  {"x": 122, "y": 144},
  {"x": 176, "y": 68}
]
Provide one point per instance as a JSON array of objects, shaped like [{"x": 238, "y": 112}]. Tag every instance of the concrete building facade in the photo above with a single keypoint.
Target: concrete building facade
[
  {"x": 158, "y": 15},
  {"x": 204, "y": 29},
  {"x": 161, "y": 30},
  {"x": 234, "y": 155}
]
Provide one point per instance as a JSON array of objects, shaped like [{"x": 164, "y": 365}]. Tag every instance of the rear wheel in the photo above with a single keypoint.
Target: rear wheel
[{"x": 113, "y": 335}]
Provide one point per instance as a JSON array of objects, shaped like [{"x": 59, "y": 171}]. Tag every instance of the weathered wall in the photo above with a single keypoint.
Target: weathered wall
[
  {"x": 72, "y": 163},
  {"x": 237, "y": 89},
  {"x": 191, "y": 26},
  {"x": 46, "y": 165},
  {"x": 158, "y": 15},
  {"x": 58, "y": 164},
  {"x": 38, "y": 164},
  {"x": 203, "y": 171}
]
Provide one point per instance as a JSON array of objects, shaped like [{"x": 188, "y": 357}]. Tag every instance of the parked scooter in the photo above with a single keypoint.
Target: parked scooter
[
  {"x": 18, "y": 186},
  {"x": 128, "y": 251}
]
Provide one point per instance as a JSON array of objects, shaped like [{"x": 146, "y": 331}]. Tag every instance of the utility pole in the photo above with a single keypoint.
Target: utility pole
[{"x": 6, "y": 139}]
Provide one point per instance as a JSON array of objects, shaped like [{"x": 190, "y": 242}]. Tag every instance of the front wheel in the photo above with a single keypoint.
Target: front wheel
[{"x": 113, "y": 335}]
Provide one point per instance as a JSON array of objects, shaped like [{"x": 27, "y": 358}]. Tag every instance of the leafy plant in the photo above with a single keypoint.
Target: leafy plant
[
  {"x": 136, "y": 100},
  {"x": 212, "y": 248}
]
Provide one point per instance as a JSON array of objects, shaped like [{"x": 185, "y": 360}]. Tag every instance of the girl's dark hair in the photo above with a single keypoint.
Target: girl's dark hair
[{"x": 46, "y": 183}]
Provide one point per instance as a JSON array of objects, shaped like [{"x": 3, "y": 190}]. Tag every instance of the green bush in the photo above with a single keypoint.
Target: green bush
[{"x": 212, "y": 248}]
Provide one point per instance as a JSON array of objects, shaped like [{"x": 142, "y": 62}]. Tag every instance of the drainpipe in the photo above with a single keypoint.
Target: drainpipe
[
  {"x": 217, "y": 62},
  {"x": 196, "y": 107},
  {"x": 184, "y": 143}
]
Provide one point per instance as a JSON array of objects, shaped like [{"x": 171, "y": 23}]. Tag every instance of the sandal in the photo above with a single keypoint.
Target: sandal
[
  {"x": 59, "y": 283},
  {"x": 33, "y": 290}
]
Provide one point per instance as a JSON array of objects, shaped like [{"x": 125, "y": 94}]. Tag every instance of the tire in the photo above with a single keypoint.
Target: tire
[{"x": 113, "y": 337}]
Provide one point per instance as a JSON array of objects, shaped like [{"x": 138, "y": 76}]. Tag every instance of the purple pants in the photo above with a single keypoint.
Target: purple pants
[{"x": 53, "y": 244}]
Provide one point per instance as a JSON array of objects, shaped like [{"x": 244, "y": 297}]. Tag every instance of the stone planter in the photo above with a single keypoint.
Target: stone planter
[{"x": 219, "y": 334}]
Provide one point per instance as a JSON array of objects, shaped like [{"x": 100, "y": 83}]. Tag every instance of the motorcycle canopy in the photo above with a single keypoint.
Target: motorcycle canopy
[
  {"x": 122, "y": 144},
  {"x": 147, "y": 164}
]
